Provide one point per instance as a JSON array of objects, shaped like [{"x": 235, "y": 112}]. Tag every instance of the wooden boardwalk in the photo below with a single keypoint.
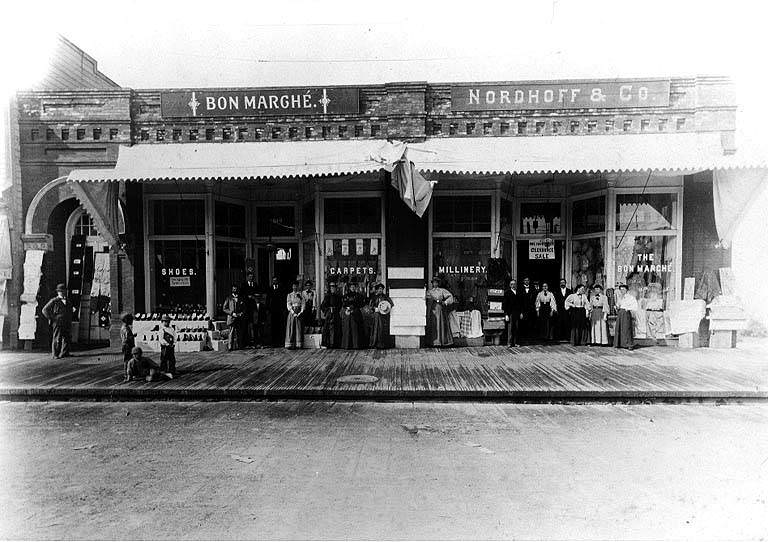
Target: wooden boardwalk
[{"x": 528, "y": 373}]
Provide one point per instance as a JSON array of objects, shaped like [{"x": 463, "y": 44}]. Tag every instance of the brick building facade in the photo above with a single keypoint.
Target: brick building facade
[{"x": 600, "y": 187}]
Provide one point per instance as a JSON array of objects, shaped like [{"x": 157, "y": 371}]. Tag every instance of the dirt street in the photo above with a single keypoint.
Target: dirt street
[{"x": 382, "y": 470}]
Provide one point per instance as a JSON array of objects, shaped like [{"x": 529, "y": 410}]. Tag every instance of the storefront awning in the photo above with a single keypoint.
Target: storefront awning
[
  {"x": 580, "y": 154},
  {"x": 460, "y": 155},
  {"x": 197, "y": 161}
]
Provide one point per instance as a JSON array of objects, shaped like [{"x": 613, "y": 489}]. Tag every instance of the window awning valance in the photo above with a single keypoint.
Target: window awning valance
[{"x": 458, "y": 155}]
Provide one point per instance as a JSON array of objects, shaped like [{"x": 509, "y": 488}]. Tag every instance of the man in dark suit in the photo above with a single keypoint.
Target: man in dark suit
[
  {"x": 254, "y": 310},
  {"x": 528, "y": 325},
  {"x": 58, "y": 311},
  {"x": 513, "y": 312},
  {"x": 562, "y": 325},
  {"x": 277, "y": 312}
]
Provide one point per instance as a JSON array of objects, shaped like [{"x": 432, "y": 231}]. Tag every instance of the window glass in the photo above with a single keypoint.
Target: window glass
[
  {"x": 461, "y": 265},
  {"x": 179, "y": 276},
  {"x": 589, "y": 215},
  {"x": 357, "y": 260},
  {"x": 308, "y": 265},
  {"x": 540, "y": 218},
  {"x": 647, "y": 265},
  {"x": 275, "y": 221},
  {"x": 179, "y": 217},
  {"x": 462, "y": 214},
  {"x": 645, "y": 211},
  {"x": 230, "y": 269},
  {"x": 230, "y": 220},
  {"x": 308, "y": 218},
  {"x": 85, "y": 226},
  {"x": 352, "y": 215},
  {"x": 506, "y": 217},
  {"x": 587, "y": 263}
]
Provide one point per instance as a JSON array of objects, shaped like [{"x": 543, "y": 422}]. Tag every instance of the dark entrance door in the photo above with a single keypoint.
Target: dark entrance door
[
  {"x": 548, "y": 271},
  {"x": 279, "y": 260}
]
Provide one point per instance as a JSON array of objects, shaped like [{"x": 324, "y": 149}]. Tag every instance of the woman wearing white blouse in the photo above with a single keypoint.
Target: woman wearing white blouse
[
  {"x": 598, "y": 315},
  {"x": 577, "y": 305},
  {"x": 623, "y": 336},
  {"x": 546, "y": 308}
]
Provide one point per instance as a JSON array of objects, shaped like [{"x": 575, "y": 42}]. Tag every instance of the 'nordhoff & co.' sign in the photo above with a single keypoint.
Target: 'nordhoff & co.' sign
[
  {"x": 257, "y": 102},
  {"x": 566, "y": 95}
]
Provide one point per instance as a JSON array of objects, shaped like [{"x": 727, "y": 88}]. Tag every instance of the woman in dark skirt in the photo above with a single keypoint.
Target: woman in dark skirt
[
  {"x": 381, "y": 305},
  {"x": 623, "y": 336},
  {"x": 330, "y": 308},
  {"x": 351, "y": 319},
  {"x": 576, "y": 305}
]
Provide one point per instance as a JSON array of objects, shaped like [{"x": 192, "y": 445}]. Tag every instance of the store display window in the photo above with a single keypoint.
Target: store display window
[
  {"x": 308, "y": 218},
  {"x": 178, "y": 217},
  {"x": 647, "y": 265},
  {"x": 229, "y": 220},
  {"x": 230, "y": 269},
  {"x": 540, "y": 218},
  {"x": 352, "y": 215},
  {"x": 587, "y": 262},
  {"x": 588, "y": 216},
  {"x": 461, "y": 264},
  {"x": 461, "y": 214},
  {"x": 643, "y": 212},
  {"x": 179, "y": 268},
  {"x": 276, "y": 221},
  {"x": 353, "y": 259}
]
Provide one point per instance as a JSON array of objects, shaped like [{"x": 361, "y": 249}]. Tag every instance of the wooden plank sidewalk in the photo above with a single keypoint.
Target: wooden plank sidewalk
[{"x": 527, "y": 373}]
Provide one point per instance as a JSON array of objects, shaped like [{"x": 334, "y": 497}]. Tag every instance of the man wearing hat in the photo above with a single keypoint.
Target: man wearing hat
[
  {"x": 140, "y": 367},
  {"x": 58, "y": 311}
]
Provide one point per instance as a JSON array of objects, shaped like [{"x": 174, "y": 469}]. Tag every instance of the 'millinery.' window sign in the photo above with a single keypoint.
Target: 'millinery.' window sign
[
  {"x": 565, "y": 95},
  {"x": 259, "y": 102}
]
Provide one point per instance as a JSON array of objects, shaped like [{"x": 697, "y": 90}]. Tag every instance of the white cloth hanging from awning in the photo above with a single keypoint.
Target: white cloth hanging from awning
[{"x": 734, "y": 191}]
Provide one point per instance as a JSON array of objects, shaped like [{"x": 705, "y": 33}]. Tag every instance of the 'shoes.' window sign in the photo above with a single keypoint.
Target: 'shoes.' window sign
[{"x": 259, "y": 102}]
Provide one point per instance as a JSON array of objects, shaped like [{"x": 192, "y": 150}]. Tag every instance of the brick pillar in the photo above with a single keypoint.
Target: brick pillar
[{"x": 405, "y": 106}]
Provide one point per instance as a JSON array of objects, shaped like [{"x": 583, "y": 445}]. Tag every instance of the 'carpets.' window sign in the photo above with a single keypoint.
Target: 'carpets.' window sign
[{"x": 362, "y": 261}]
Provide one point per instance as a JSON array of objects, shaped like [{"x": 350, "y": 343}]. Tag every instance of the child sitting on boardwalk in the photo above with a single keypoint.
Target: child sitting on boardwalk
[{"x": 140, "y": 367}]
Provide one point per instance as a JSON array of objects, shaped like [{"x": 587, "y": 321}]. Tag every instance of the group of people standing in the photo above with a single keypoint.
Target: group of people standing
[
  {"x": 351, "y": 320},
  {"x": 250, "y": 309},
  {"x": 578, "y": 316}
]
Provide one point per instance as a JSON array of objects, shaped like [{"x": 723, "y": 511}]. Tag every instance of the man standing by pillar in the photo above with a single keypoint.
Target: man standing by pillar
[
  {"x": 513, "y": 311},
  {"x": 277, "y": 312},
  {"x": 562, "y": 324},
  {"x": 58, "y": 311}
]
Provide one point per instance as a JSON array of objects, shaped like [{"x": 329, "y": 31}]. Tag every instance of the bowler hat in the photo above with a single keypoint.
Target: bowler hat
[{"x": 61, "y": 287}]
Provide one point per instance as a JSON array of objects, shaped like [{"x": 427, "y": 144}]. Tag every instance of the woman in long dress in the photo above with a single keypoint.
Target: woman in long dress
[
  {"x": 439, "y": 301},
  {"x": 598, "y": 316},
  {"x": 330, "y": 308},
  {"x": 294, "y": 328},
  {"x": 546, "y": 309},
  {"x": 624, "y": 334},
  {"x": 577, "y": 305},
  {"x": 351, "y": 319},
  {"x": 381, "y": 304}
]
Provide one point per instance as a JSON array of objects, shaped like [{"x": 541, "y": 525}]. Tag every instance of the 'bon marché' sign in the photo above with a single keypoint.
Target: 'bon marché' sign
[
  {"x": 563, "y": 95},
  {"x": 259, "y": 102}
]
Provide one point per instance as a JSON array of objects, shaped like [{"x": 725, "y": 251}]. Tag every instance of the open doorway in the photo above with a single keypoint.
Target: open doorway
[
  {"x": 539, "y": 261},
  {"x": 279, "y": 260}
]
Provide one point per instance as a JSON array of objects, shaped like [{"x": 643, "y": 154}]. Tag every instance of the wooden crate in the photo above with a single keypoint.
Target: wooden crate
[{"x": 722, "y": 339}]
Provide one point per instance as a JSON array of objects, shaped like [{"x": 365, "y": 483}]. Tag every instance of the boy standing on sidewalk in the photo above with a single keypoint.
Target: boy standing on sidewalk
[
  {"x": 127, "y": 338},
  {"x": 167, "y": 346}
]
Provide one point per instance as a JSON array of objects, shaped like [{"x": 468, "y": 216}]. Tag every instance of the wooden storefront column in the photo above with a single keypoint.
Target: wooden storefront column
[{"x": 210, "y": 251}]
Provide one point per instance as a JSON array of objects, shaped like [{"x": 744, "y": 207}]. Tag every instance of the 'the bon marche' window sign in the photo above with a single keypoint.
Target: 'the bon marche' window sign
[
  {"x": 564, "y": 95},
  {"x": 259, "y": 102}
]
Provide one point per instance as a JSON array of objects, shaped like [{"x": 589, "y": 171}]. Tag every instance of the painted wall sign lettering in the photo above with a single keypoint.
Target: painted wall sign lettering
[
  {"x": 541, "y": 249},
  {"x": 461, "y": 269},
  {"x": 204, "y": 103},
  {"x": 565, "y": 95}
]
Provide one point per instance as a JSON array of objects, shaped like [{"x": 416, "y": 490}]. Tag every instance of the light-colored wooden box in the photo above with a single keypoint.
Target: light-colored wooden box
[{"x": 722, "y": 339}]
